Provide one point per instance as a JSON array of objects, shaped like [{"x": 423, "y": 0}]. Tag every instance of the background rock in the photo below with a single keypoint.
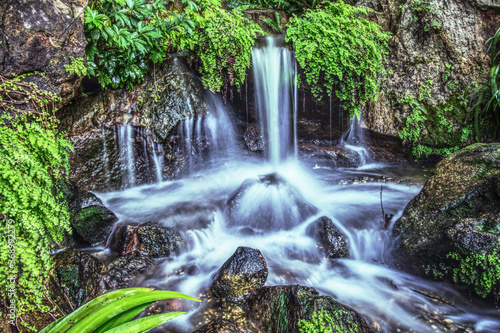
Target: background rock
[{"x": 40, "y": 36}]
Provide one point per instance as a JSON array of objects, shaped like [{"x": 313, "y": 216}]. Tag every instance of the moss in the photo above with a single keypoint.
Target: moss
[
  {"x": 69, "y": 276},
  {"x": 279, "y": 319}
]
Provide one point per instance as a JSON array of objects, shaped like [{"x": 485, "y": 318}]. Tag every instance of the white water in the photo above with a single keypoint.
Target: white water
[
  {"x": 126, "y": 146},
  {"x": 387, "y": 298},
  {"x": 158, "y": 160}
]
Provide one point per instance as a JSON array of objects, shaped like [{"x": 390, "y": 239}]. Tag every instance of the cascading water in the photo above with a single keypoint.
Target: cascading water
[
  {"x": 354, "y": 140},
  {"x": 252, "y": 189},
  {"x": 126, "y": 146},
  {"x": 275, "y": 78}
]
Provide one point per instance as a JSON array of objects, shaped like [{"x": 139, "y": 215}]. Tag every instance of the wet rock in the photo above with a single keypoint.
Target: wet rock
[
  {"x": 221, "y": 326},
  {"x": 334, "y": 243},
  {"x": 77, "y": 279},
  {"x": 254, "y": 138},
  {"x": 458, "y": 207},
  {"x": 279, "y": 309},
  {"x": 89, "y": 199},
  {"x": 39, "y": 37},
  {"x": 122, "y": 272},
  {"x": 275, "y": 205},
  {"x": 94, "y": 223},
  {"x": 149, "y": 239},
  {"x": 245, "y": 271}
]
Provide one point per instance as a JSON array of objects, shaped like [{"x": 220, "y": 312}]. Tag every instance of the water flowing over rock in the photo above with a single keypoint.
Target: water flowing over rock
[
  {"x": 241, "y": 274},
  {"x": 279, "y": 309},
  {"x": 334, "y": 243},
  {"x": 267, "y": 203},
  {"x": 458, "y": 206},
  {"x": 39, "y": 37},
  {"x": 93, "y": 223}
]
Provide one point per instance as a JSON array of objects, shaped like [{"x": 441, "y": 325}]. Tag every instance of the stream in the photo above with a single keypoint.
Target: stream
[{"x": 268, "y": 215}]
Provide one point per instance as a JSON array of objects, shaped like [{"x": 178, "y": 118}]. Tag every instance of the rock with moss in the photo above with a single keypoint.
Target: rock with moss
[
  {"x": 281, "y": 309},
  {"x": 244, "y": 272},
  {"x": 77, "y": 279},
  {"x": 457, "y": 209},
  {"x": 93, "y": 223}
]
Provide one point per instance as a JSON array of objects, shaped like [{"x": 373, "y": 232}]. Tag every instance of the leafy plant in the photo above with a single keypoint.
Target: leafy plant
[
  {"x": 124, "y": 34},
  {"x": 323, "y": 322},
  {"x": 485, "y": 99},
  {"x": 336, "y": 45},
  {"x": 221, "y": 44},
  {"x": 114, "y": 312},
  {"x": 33, "y": 156},
  {"x": 77, "y": 66},
  {"x": 276, "y": 24}
]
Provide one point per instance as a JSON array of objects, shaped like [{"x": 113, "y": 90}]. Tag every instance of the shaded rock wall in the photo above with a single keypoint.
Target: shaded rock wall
[{"x": 40, "y": 36}]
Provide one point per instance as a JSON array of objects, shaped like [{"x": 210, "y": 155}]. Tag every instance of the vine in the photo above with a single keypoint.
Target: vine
[
  {"x": 336, "y": 45},
  {"x": 33, "y": 156}
]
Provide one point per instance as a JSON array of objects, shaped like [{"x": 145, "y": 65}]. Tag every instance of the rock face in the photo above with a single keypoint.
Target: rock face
[
  {"x": 123, "y": 271},
  {"x": 221, "y": 326},
  {"x": 330, "y": 239},
  {"x": 94, "y": 223},
  {"x": 40, "y": 36},
  {"x": 279, "y": 309},
  {"x": 118, "y": 135},
  {"x": 458, "y": 206},
  {"x": 435, "y": 53},
  {"x": 149, "y": 239},
  {"x": 241, "y": 274},
  {"x": 78, "y": 276}
]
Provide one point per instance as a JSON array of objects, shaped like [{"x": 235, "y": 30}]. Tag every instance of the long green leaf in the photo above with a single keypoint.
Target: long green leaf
[
  {"x": 90, "y": 323},
  {"x": 49, "y": 327},
  {"x": 91, "y": 307},
  {"x": 143, "y": 325},
  {"x": 123, "y": 318}
]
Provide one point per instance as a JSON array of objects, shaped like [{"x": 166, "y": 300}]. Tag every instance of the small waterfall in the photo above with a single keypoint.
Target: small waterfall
[
  {"x": 276, "y": 97},
  {"x": 158, "y": 160},
  {"x": 105, "y": 155},
  {"x": 126, "y": 146},
  {"x": 354, "y": 140}
]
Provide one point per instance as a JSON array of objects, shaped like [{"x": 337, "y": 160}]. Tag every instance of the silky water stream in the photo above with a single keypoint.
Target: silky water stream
[{"x": 268, "y": 217}]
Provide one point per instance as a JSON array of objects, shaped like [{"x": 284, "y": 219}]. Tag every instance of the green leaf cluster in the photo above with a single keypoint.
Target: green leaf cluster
[
  {"x": 323, "y": 322},
  {"x": 221, "y": 44},
  {"x": 336, "y": 45},
  {"x": 114, "y": 312},
  {"x": 33, "y": 156},
  {"x": 77, "y": 66},
  {"x": 289, "y": 6},
  {"x": 124, "y": 34}
]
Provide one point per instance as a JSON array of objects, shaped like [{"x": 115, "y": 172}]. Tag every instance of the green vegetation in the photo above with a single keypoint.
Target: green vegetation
[
  {"x": 337, "y": 47},
  {"x": 114, "y": 312},
  {"x": 77, "y": 66},
  {"x": 33, "y": 156},
  {"x": 124, "y": 34},
  {"x": 289, "y": 6},
  {"x": 221, "y": 44},
  {"x": 485, "y": 100},
  {"x": 323, "y": 322}
]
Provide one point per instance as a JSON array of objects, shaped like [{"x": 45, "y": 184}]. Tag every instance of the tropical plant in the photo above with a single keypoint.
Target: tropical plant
[
  {"x": 274, "y": 24},
  {"x": 33, "y": 156},
  {"x": 337, "y": 46},
  {"x": 324, "y": 322},
  {"x": 77, "y": 66},
  {"x": 221, "y": 45},
  {"x": 124, "y": 34},
  {"x": 114, "y": 312},
  {"x": 485, "y": 100}
]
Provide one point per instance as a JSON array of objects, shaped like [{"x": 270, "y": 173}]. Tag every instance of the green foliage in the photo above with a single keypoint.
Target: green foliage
[
  {"x": 276, "y": 24},
  {"x": 124, "y": 34},
  {"x": 424, "y": 14},
  {"x": 485, "y": 100},
  {"x": 289, "y": 6},
  {"x": 336, "y": 45},
  {"x": 323, "y": 322},
  {"x": 77, "y": 66},
  {"x": 33, "y": 156},
  {"x": 480, "y": 270},
  {"x": 221, "y": 43},
  {"x": 115, "y": 311}
]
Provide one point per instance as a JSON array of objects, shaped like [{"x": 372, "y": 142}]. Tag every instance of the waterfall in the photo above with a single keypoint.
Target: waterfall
[
  {"x": 354, "y": 140},
  {"x": 158, "y": 160},
  {"x": 105, "y": 155},
  {"x": 275, "y": 77},
  {"x": 126, "y": 146}
]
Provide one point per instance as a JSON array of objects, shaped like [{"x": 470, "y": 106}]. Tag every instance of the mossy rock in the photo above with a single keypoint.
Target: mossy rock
[
  {"x": 459, "y": 206},
  {"x": 94, "y": 223}
]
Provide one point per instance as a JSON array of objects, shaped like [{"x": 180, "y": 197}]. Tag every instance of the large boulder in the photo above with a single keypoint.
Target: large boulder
[
  {"x": 38, "y": 38},
  {"x": 94, "y": 223},
  {"x": 280, "y": 308},
  {"x": 244, "y": 272},
  {"x": 459, "y": 206},
  {"x": 330, "y": 240}
]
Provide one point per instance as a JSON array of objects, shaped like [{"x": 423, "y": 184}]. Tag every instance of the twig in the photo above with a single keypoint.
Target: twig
[{"x": 381, "y": 204}]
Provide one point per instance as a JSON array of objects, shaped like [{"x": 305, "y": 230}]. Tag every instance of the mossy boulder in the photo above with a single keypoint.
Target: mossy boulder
[
  {"x": 458, "y": 207},
  {"x": 94, "y": 223}
]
